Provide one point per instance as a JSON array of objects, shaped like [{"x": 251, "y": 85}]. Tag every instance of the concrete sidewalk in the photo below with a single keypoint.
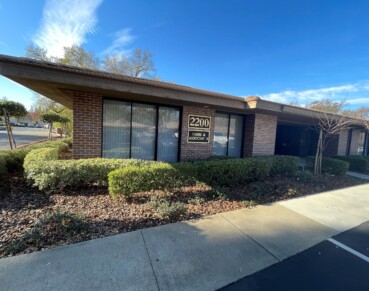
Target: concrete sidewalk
[
  {"x": 358, "y": 175},
  {"x": 200, "y": 255}
]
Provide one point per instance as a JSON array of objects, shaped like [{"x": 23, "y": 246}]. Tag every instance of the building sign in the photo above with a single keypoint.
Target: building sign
[
  {"x": 197, "y": 136},
  {"x": 199, "y": 122}
]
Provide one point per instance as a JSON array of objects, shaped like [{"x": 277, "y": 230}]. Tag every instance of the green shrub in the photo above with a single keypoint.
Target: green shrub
[
  {"x": 155, "y": 176},
  {"x": 58, "y": 174},
  {"x": 329, "y": 166},
  {"x": 284, "y": 166},
  {"x": 60, "y": 145},
  {"x": 3, "y": 170},
  {"x": 304, "y": 176},
  {"x": 357, "y": 163},
  {"x": 67, "y": 140},
  {"x": 166, "y": 209},
  {"x": 15, "y": 158},
  {"x": 227, "y": 172},
  {"x": 196, "y": 200},
  {"x": 158, "y": 176},
  {"x": 169, "y": 210}
]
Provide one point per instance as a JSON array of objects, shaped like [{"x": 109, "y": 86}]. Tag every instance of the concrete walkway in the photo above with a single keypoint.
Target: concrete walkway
[
  {"x": 200, "y": 255},
  {"x": 358, "y": 175}
]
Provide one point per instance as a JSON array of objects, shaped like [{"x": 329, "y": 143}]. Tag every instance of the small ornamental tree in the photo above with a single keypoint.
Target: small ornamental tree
[
  {"x": 14, "y": 109},
  {"x": 11, "y": 109},
  {"x": 50, "y": 118},
  {"x": 329, "y": 125}
]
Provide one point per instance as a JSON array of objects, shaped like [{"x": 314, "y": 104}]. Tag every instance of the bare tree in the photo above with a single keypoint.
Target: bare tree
[
  {"x": 327, "y": 105},
  {"x": 329, "y": 126},
  {"x": 79, "y": 57},
  {"x": 138, "y": 64}
]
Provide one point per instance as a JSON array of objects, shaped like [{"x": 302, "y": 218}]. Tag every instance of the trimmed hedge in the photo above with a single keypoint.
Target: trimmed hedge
[
  {"x": 227, "y": 172},
  {"x": 3, "y": 170},
  {"x": 284, "y": 166},
  {"x": 329, "y": 166},
  {"x": 57, "y": 174},
  {"x": 15, "y": 158},
  {"x": 357, "y": 163},
  {"x": 133, "y": 179}
]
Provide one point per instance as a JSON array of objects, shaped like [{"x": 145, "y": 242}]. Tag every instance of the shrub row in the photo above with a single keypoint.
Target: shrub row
[
  {"x": 158, "y": 176},
  {"x": 329, "y": 166},
  {"x": 226, "y": 172},
  {"x": 13, "y": 160},
  {"x": 3, "y": 170},
  {"x": 43, "y": 170},
  {"x": 357, "y": 163}
]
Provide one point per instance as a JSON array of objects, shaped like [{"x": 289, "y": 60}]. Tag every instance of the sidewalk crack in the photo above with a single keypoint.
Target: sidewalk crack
[{"x": 152, "y": 267}]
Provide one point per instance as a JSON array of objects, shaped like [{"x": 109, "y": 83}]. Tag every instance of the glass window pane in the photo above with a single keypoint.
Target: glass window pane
[
  {"x": 143, "y": 131},
  {"x": 235, "y": 136},
  {"x": 220, "y": 134},
  {"x": 360, "y": 149},
  {"x": 116, "y": 129},
  {"x": 168, "y": 134}
]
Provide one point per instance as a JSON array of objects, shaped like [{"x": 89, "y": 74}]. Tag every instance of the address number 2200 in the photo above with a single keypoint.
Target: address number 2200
[{"x": 199, "y": 122}]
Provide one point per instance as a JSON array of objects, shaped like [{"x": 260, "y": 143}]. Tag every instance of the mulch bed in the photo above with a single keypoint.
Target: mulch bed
[{"x": 27, "y": 223}]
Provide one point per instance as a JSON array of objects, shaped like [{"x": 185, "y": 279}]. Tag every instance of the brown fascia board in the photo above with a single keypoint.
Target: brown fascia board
[
  {"x": 257, "y": 103},
  {"x": 57, "y": 81}
]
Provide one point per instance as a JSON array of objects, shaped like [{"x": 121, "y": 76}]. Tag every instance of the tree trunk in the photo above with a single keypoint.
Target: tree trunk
[
  {"x": 7, "y": 128},
  {"x": 50, "y": 131},
  {"x": 319, "y": 155}
]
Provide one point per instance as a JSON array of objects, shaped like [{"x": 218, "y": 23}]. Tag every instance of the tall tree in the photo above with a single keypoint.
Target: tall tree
[
  {"x": 138, "y": 64},
  {"x": 79, "y": 57},
  {"x": 327, "y": 105},
  {"x": 37, "y": 53}
]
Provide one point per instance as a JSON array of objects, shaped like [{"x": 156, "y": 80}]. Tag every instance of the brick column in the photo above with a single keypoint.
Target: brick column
[
  {"x": 87, "y": 125},
  {"x": 195, "y": 151},
  {"x": 260, "y": 135}
]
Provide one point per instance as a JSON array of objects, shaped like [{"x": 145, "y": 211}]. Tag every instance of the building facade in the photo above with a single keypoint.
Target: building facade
[{"x": 123, "y": 117}]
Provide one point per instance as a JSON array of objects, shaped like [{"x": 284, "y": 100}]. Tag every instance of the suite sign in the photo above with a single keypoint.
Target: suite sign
[
  {"x": 197, "y": 136},
  {"x": 198, "y": 128}
]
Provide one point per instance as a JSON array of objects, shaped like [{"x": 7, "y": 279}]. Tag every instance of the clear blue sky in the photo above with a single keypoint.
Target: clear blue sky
[{"x": 280, "y": 50}]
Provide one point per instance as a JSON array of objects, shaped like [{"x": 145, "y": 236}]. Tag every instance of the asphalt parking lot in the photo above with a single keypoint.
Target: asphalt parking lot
[
  {"x": 339, "y": 263},
  {"x": 22, "y": 136}
]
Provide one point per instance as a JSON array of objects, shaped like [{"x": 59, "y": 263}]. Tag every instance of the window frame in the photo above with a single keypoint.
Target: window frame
[
  {"x": 157, "y": 106},
  {"x": 229, "y": 114}
]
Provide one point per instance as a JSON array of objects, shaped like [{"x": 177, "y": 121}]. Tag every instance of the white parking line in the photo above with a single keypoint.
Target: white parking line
[{"x": 350, "y": 250}]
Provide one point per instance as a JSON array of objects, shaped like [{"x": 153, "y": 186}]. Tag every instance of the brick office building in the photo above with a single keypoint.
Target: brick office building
[{"x": 124, "y": 117}]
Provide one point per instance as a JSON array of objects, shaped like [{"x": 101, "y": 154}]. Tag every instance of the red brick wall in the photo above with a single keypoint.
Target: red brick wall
[
  {"x": 194, "y": 151},
  {"x": 260, "y": 134},
  {"x": 87, "y": 125}
]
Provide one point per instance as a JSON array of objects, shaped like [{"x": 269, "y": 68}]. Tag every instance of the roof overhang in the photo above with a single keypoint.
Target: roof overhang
[{"x": 58, "y": 82}]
